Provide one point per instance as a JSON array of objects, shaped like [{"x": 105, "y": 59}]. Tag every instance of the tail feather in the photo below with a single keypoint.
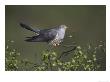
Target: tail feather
[{"x": 29, "y": 27}]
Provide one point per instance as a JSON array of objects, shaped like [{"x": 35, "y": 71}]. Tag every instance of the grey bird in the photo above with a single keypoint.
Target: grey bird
[{"x": 53, "y": 36}]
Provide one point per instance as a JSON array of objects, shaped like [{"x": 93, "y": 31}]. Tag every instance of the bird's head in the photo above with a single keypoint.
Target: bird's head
[{"x": 63, "y": 26}]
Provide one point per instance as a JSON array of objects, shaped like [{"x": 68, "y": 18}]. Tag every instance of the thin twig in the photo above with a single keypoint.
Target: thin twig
[{"x": 67, "y": 52}]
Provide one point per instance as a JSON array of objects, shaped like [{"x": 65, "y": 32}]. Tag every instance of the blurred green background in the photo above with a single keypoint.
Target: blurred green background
[{"x": 87, "y": 25}]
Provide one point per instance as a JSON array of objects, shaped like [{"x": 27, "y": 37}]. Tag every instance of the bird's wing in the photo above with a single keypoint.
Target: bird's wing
[
  {"x": 29, "y": 27},
  {"x": 35, "y": 39},
  {"x": 44, "y": 36},
  {"x": 49, "y": 34}
]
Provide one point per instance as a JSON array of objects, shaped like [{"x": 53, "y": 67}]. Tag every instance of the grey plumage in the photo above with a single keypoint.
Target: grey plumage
[
  {"x": 53, "y": 36},
  {"x": 29, "y": 28}
]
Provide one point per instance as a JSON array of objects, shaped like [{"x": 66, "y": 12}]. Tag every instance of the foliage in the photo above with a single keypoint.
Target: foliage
[
  {"x": 11, "y": 59},
  {"x": 82, "y": 59}
]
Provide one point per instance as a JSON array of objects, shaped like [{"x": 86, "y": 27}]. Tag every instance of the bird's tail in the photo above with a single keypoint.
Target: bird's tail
[{"x": 29, "y": 27}]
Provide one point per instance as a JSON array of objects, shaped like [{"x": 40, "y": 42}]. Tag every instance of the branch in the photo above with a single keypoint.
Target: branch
[{"x": 67, "y": 52}]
